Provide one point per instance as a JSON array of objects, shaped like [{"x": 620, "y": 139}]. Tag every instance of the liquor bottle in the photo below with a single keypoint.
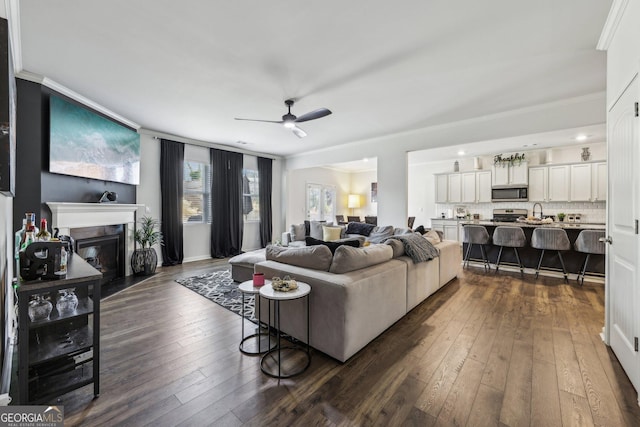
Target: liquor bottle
[
  {"x": 63, "y": 262},
  {"x": 43, "y": 235},
  {"x": 30, "y": 237},
  {"x": 29, "y": 219},
  {"x": 19, "y": 236}
]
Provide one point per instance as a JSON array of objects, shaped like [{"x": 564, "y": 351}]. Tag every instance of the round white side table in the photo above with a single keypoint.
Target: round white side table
[{"x": 274, "y": 357}]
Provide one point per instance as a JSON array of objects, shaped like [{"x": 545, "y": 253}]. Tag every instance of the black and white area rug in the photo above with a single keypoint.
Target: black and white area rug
[{"x": 219, "y": 287}]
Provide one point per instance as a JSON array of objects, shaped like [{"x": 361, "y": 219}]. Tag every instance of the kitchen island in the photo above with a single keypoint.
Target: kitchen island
[{"x": 572, "y": 259}]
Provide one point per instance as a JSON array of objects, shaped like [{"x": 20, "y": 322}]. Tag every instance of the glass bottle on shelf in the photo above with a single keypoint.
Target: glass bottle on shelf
[
  {"x": 43, "y": 235},
  {"x": 67, "y": 301},
  {"x": 39, "y": 308},
  {"x": 29, "y": 238}
]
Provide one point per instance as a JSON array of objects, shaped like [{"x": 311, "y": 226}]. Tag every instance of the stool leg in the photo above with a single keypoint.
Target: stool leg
[
  {"x": 498, "y": 261},
  {"x": 564, "y": 270},
  {"x": 539, "y": 263},
  {"x": 584, "y": 269},
  {"x": 485, "y": 259},
  {"x": 466, "y": 256},
  {"x": 519, "y": 262}
]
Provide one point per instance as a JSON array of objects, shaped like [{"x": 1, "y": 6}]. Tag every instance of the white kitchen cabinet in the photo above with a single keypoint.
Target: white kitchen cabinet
[
  {"x": 442, "y": 189},
  {"x": 599, "y": 182},
  {"x": 468, "y": 187},
  {"x": 517, "y": 174},
  {"x": 483, "y": 187},
  {"x": 580, "y": 182},
  {"x": 455, "y": 188},
  {"x": 449, "y": 227},
  {"x": 559, "y": 183},
  {"x": 538, "y": 184}
]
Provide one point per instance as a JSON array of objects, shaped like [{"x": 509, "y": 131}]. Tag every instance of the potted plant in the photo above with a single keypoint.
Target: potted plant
[
  {"x": 561, "y": 217},
  {"x": 144, "y": 260}
]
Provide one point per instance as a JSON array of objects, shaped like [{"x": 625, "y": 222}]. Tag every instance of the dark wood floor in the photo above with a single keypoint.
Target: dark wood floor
[{"x": 484, "y": 350}]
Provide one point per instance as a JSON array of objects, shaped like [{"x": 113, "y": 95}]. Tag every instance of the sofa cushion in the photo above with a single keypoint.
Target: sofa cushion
[
  {"x": 360, "y": 228},
  {"x": 397, "y": 246},
  {"x": 332, "y": 245},
  {"x": 330, "y": 233},
  {"x": 380, "y": 234},
  {"x": 297, "y": 232},
  {"x": 313, "y": 257},
  {"x": 433, "y": 237},
  {"x": 347, "y": 258}
]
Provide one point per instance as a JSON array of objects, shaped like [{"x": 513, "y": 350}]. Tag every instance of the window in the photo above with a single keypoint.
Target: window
[
  {"x": 196, "y": 201},
  {"x": 321, "y": 202},
  {"x": 250, "y": 195}
]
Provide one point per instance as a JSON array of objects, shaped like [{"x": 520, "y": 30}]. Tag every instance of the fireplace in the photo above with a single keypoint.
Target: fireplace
[
  {"x": 103, "y": 248},
  {"x": 72, "y": 218}
]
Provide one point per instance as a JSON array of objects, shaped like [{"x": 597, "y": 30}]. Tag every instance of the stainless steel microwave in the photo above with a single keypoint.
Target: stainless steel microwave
[{"x": 509, "y": 194}]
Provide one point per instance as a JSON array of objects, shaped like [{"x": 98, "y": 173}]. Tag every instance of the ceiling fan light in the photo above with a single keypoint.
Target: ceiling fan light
[{"x": 289, "y": 124}]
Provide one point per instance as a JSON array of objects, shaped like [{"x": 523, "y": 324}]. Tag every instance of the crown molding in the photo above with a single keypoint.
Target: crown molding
[
  {"x": 45, "y": 81},
  {"x": 611, "y": 24},
  {"x": 12, "y": 8}
]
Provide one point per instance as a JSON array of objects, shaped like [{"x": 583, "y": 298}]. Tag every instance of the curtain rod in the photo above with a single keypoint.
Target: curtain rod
[{"x": 160, "y": 135}]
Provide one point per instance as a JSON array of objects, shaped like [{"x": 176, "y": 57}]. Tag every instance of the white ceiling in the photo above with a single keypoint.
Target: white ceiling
[{"x": 188, "y": 68}]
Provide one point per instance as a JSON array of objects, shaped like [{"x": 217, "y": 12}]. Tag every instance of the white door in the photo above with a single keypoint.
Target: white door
[
  {"x": 483, "y": 187},
  {"x": 538, "y": 183},
  {"x": 581, "y": 182},
  {"x": 455, "y": 189},
  {"x": 599, "y": 182},
  {"x": 622, "y": 259},
  {"x": 519, "y": 174},
  {"x": 442, "y": 189},
  {"x": 558, "y": 183},
  {"x": 469, "y": 187}
]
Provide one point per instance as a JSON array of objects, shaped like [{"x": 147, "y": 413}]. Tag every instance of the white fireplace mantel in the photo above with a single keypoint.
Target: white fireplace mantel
[
  {"x": 66, "y": 216},
  {"x": 74, "y": 215}
]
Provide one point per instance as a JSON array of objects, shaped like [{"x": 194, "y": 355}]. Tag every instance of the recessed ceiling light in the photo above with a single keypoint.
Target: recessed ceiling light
[
  {"x": 581, "y": 137},
  {"x": 460, "y": 152},
  {"x": 241, "y": 142},
  {"x": 365, "y": 160}
]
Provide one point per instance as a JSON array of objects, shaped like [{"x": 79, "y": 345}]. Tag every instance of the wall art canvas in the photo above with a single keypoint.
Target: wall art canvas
[{"x": 83, "y": 143}]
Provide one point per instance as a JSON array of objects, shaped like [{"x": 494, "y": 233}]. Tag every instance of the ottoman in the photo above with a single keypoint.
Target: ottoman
[{"x": 242, "y": 265}]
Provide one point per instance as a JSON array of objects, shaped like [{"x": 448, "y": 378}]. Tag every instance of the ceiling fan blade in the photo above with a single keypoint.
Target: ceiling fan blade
[
  {"x": 299, "y": 132},
  {"x": 320, "y": 112},
  {"x": 265, "y": 121}
]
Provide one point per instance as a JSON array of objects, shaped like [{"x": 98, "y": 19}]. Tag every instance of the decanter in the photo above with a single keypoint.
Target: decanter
[
  {"x": 67, "y": 301},
  {"x": 39, "y": 308}
]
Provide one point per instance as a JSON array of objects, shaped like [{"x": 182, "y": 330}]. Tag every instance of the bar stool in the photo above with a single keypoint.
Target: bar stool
[
  {"x": 510, "y": 237},
  {"x": 588, "y": 243},
  {"x": 551, "y": 239},
  {"x": 476, "y": 235}
]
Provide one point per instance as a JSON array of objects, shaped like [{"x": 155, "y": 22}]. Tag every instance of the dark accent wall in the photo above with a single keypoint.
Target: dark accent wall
[{"x": 35, "y": 185}]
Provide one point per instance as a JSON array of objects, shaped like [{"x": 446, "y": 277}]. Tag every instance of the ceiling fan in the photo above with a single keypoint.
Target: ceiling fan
[{"x": 289, "y": 120}]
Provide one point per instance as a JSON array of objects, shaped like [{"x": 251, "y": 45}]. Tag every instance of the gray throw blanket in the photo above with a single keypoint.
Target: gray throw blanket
[{"x": 417, "y": 247}]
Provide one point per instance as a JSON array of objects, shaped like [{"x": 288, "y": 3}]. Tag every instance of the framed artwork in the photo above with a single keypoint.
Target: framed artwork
[{"x": 374, "y": 192}]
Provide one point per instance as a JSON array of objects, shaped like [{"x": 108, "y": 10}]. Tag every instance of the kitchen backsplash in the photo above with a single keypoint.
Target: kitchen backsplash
[{"x": 594, "y": 213}]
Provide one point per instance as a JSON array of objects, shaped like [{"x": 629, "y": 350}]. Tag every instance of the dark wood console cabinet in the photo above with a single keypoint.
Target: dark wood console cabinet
[{"x": 61, "y": 353}]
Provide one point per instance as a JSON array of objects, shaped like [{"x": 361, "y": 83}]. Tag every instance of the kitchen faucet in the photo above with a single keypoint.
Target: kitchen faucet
[{"x": 533, "y": 211}]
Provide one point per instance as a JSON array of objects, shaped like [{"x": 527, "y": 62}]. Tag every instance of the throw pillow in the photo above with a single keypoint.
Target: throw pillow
[
  {"x": 397, "y": 246},
  {"x": 310, "y": 241},
  {"x": 348, "y": 259},
  {"x": 313, "y": 257},
  {"x": 297, "y": 232},
  {"x": 380, "y": 234},
  {"x": 315, "y": 229},
  {"x": 331, "y": 233},
  {"x": 432, "y": 236},
  {"x": 360, "y": 228}
]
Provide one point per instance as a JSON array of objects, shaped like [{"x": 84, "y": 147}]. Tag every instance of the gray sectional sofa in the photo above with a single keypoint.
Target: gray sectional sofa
[{"x": 357, "y": 293}]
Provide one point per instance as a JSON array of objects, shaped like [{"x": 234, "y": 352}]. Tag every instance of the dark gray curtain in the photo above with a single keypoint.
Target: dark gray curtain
[
  {"x": 265, "y": 189},
  {"x": 226, "y": 203},
  {"x": 171, "y": 178}
]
